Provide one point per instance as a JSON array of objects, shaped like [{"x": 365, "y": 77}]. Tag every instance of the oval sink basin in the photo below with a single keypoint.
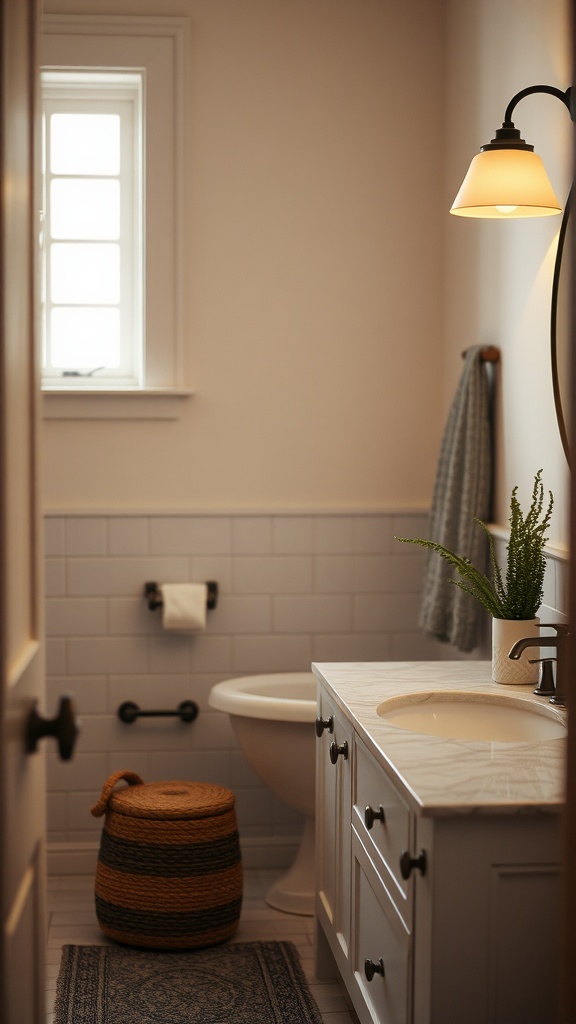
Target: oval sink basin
[{"x": 491, "y": 718}]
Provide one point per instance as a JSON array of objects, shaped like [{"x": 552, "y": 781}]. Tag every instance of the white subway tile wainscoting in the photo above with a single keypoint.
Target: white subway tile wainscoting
[{"x": 293, "y": 588}]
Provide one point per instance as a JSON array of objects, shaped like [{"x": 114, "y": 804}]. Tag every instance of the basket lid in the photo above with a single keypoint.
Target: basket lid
[{"x": 172, "y": 800}]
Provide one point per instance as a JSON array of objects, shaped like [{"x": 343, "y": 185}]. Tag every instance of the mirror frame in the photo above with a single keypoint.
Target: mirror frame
[{"x": 558, "y": 405}]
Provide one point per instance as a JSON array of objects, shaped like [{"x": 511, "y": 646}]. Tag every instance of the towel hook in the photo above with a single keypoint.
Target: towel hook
[{"x": 488, "y": 354}]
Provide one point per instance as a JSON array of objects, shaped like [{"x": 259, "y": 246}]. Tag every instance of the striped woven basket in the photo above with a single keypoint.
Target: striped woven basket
[{"x": 169, "y": 872}]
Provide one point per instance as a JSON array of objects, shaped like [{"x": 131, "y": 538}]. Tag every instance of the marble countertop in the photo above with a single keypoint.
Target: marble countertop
[{"x": 439, "y": 776}]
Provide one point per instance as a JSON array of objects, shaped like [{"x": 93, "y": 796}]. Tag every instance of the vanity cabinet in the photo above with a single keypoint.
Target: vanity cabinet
[{"x": 430, "y": 918}]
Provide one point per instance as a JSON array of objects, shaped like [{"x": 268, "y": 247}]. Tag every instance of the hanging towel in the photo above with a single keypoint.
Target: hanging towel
[
  {"x": 184, "y": 606},
  {"x": 462, "y": 491}
]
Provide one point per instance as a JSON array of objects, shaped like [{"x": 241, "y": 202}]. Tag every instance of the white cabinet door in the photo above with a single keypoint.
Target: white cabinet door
[
  {"x": 333, "y": 807},
  {"x": 487, "y": 913},
  {"x": 382, "y": 947}
]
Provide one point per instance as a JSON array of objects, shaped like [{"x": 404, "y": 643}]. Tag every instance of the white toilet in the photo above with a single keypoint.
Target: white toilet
[{"x": 273, "y": 719}]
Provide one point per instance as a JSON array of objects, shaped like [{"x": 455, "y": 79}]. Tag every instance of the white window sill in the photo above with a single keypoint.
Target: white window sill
[{"x": 113, "y": 404}]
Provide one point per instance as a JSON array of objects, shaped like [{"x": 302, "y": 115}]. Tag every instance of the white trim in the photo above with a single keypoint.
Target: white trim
[
  {"x": 284, "y": 511},
  {"x": 119, "y": 93},
  {"x": 119, "y": 404},
  {"x": 159, "y": 46},
  {"x": 22, "y": 661},
  {"x": 113, "y": 25},
  {"x": 72, "y": 858},
  {"x": 21, "y": 899}
]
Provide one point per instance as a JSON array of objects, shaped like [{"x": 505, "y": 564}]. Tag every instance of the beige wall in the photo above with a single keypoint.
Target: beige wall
[
  {"x": 313, "y": 269},
  {"x": 499, "y": 275},
  {"x": 323, "y": 325},
  {"x": 324, "y": 335}
]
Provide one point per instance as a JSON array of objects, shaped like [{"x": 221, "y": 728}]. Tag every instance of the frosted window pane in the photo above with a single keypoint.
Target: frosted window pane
[
  {"x": 85, "y": 144},
  {"x": 85, "y": 273},
  {"x": 85, "y": 208},
  {"x": 83, "y": 339}
]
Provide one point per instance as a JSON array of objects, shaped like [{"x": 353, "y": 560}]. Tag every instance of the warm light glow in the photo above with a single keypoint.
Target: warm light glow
[{"x": 506, "y": 183}]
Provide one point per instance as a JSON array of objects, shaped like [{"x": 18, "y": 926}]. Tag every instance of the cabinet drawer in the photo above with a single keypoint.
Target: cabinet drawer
[
  {"x": 389, "y": 838},
  {"x": 382, "y": 939}
]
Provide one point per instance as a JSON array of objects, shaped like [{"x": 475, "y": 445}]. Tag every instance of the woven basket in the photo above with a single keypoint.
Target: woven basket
[{"x": 169, "y": 872}]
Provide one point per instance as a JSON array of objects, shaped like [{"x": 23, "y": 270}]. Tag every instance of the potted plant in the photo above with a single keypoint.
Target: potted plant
[{"x": 512, "y": 597}]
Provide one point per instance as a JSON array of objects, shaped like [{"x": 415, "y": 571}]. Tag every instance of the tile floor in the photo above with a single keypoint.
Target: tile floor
[{"x": 71, "y": 919}]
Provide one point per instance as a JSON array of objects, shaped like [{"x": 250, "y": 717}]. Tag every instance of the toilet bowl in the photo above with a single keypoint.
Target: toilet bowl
[{"x": 273, "y": 718}]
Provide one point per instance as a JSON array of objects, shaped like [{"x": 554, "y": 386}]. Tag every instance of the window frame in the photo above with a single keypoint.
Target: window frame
[
  {"x": 72, "y": 91},
  {"x": 157, "y": 47}
]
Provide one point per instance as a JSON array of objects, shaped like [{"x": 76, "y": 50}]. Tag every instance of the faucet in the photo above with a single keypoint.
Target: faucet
[{"x": 558, "y": 641}]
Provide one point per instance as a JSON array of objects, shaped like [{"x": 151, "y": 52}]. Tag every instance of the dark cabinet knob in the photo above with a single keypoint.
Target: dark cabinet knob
[
  {"x": 324, "y": 723},
  {"x": 370, "y": 815},
  {"x": 371, "y": 968},
  {"x": 337, "y": 750},
  {"x": 64, "y": 728},
  {"x": 407, "y": 863}
]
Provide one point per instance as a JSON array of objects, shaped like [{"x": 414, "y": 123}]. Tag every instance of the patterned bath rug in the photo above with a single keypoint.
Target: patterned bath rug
[{"x": 243, "y": 983}]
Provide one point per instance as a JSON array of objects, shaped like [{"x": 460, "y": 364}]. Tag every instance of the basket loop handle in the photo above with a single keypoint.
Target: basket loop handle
[{"x": 131, "y": 778}]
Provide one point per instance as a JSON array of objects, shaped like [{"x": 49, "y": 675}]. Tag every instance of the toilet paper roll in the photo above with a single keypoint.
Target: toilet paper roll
[{"x": 184, "y": 606}]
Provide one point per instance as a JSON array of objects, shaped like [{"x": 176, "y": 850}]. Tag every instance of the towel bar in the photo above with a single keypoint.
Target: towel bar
[
  {"x": 153, "y": 595},
  {"x": 128, "y": 712}
]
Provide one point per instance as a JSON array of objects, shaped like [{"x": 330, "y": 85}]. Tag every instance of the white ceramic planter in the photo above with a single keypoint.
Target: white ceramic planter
[{"x": 505, "y": 633}]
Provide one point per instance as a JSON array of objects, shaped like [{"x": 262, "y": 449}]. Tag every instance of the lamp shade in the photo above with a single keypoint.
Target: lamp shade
[{"x": 504, "y": 183}]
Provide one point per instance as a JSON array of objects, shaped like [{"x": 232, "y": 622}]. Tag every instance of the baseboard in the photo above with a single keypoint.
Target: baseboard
[
  {"x": 263, "y": 852},
  {"x": 71, "y": 858},
  {"x": 269, "y": 851}
]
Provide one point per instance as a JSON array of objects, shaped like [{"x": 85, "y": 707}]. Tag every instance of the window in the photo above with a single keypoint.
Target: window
[
  {"x": 93, "y": 231},
  {"x": 113, "y": 288}
]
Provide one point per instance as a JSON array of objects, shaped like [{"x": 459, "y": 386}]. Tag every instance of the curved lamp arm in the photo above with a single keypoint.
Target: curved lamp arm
[{"x": 565, "y": 97}]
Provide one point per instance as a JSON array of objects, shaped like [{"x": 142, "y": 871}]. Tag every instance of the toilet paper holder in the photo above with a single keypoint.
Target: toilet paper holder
[{"x": 153, "y": 595}]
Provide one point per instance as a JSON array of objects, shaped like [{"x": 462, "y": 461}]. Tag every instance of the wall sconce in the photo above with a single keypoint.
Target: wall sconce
[{"x": 506, "y": 178}]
